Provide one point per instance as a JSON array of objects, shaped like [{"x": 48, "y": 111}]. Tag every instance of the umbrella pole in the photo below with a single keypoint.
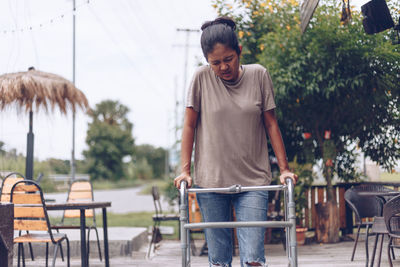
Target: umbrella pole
[{"x": 29, "y": 150}]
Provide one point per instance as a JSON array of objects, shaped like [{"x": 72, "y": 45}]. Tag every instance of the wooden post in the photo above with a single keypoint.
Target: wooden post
[
  {"x": 342, "y": 208},
  {"x": 313, "y": 211},
  {"x": 6, "y": 234}
]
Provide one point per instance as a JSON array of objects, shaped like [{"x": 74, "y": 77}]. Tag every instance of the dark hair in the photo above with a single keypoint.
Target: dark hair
[{"x": 221, "y": 30}]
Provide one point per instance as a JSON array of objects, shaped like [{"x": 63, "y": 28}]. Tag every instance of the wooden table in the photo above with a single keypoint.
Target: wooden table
[{"x": 82, "y": 206}]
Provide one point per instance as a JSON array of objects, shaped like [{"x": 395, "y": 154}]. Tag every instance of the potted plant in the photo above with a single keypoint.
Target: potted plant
[{"x": 304, "y": 171}]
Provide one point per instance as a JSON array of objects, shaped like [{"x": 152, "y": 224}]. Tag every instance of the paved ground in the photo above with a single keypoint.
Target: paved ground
[{"x": 168, "y": 255}]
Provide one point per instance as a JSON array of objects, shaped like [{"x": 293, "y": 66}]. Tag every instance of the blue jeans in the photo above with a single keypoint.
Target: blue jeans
[{"x": 249, "y": 206}]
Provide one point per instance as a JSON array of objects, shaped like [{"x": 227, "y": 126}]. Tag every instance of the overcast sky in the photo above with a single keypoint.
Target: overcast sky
[{"x": 126, "y": 50}]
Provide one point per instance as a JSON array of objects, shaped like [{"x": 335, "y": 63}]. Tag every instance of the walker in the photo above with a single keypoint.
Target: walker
[{"x": 289, "y": 223}]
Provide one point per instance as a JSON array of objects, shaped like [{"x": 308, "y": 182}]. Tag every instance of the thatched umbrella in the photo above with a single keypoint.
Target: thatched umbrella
[{"x": 38, "y": 89}]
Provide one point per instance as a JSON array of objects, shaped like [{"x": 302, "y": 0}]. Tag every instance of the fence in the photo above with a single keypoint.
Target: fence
[{"x": 317, "y": 194}]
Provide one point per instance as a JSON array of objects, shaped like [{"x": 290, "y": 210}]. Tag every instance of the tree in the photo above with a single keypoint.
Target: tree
[
  {"x": 155, "y": 157},
  {"x": 334, "y": 81},
  {"x": 110, "y": 140},
  {"x": 333, "y": 78}
]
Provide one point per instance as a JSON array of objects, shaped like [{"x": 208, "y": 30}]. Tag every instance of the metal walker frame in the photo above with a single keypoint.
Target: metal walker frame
[{"x": 289, "y": 223}]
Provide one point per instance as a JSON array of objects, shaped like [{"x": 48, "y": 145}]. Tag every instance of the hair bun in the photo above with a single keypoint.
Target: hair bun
[{"x": 221, "y": 20}]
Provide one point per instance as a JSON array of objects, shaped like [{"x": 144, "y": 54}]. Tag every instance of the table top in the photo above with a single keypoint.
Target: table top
[
  {"x": 379, "y": 193},
  {"x": 77, "y": 205}
]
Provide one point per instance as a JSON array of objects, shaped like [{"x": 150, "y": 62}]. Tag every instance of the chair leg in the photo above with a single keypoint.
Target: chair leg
[
  {"x": 355, "y": 242},
  {"x": 61, "y": 251},
  {"x": 192, "y": 244},
  {"x": 54, "y": 255},
  {"x": 19, "y": 254},
  {"x": 88, "y": 244},
  {"x": 394, "y": 257},
  {"x": 31, "y": 251},
  {"x": 98, "y": 243},
  {"x": 366, "y": 245},
  {"x": 68, "y": 253},
  {"x": 374, "y": 250},
  {"x": 47, "y": 254},
  {"x": 23, "y": 255},
  {"x": 388, "y": 252},
  {"x": 30, "y": 248},
  {"x": 151, "y": 242},
  {"x": 380, "y": 251}
]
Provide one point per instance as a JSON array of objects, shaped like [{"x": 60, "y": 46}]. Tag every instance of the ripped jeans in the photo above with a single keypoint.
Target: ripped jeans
[{"x": 249, "y": 206}]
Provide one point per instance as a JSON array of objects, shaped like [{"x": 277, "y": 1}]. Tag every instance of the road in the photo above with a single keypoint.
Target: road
[{"x": 123, "y": 200}]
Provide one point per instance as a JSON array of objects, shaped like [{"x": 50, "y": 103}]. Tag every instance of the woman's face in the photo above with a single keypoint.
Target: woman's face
[{"x": 224, "y": 61}]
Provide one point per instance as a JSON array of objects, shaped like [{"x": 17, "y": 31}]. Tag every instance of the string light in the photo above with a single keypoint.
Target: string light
[{"x": 41, "y": 25}]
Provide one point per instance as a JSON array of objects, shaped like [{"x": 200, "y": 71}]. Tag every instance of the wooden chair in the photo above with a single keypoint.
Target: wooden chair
[
  {"x": 8, "y": 182},
  {"x": 5, "y": 194},
  {"x": 158, "y": 217},
  {"x": 195, "y": 217},
  {"x": 30, "y": 214},
  {"x": 80, "y": 191}
]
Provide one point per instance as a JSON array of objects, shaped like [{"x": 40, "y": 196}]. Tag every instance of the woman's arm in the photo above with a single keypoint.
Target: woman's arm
[
  {"x": 189, "y": 126},
  {"x": 272, "y": 128}
]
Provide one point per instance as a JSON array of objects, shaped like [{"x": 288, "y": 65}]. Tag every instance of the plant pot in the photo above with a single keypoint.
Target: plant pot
[
  {"x": 327, "y": 222},
  {"x": 301, "y": 235}
]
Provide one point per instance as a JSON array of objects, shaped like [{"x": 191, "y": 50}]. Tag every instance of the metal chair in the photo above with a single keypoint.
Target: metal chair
[
  {"x": 80, "y": 191},
  {"x": 158, "y": 217},
  {"x": 364, "y": 208},
  {"x": 391, "y": 215},
  {"x": 30, "y": 214}
]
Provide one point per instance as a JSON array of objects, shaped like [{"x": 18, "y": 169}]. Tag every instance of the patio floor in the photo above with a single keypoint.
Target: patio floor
[{"x": 168, "y": 255}]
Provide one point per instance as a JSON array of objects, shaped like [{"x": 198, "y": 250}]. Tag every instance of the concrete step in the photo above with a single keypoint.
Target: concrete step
[{"x": 123, "y": 241}]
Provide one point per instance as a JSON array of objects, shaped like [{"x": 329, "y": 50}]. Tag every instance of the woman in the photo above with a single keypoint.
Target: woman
[{"x": 229, "y": 110}]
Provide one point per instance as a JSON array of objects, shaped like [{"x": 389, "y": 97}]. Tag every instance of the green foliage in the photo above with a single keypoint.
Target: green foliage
[
  {"x": 141, "y": 170},
  {"x": 59, "y": 166},
  {"x": 334, "y": 77},
  {"x": 306, "y": 178},
  {"x": 171, "y": 193},
  {"x": 110, "y": 141},
  {"x": 155, "y": 157}
]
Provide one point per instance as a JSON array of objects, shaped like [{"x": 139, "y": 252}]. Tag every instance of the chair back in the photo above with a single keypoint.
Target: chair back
[
  {"x": 30, "y": 212},
  {"x": 79, "y": 191},
  {"x": 363, "y": 206},
  {"x": 391, "y": 215},
  {"x": 8, "y": 182},
  {"x": 376, "y": 188},
  {"x": 156, "y": 199}
]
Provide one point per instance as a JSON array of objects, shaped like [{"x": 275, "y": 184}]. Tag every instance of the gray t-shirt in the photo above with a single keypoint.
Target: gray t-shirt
[{"x": 230, "y": 138}]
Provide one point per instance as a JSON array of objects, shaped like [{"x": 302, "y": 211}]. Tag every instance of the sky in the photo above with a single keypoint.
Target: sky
[{"x": 126, "y": 50}]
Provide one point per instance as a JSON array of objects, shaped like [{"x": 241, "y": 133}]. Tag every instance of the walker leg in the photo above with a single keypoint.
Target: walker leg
[
  {"x": 292, "y": 219},
  {"x": 183, "y": 217}
]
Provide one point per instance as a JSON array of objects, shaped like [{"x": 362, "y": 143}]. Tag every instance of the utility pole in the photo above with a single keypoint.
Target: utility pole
[
  {"x": 176, "y": 127},
  {"x": 188, "y": 32},
  {"x": 73, "y": 165},
  {"x": 176, "y": 150}
]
